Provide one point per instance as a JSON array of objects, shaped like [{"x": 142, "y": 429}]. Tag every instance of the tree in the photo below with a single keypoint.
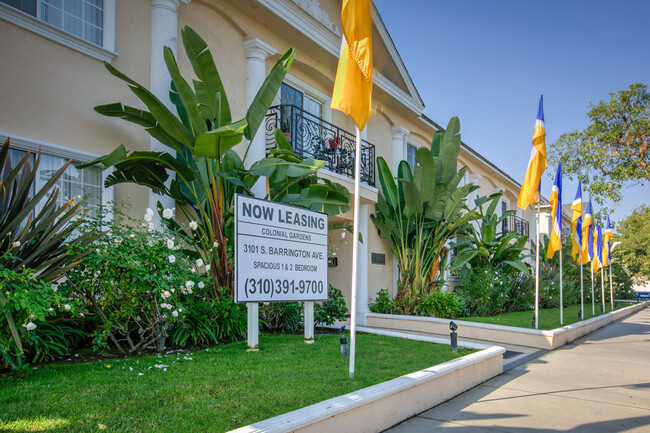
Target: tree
[
  {"x": 634, "y": 250},
  {"x": 613, "y": 150},
  {"x": 425, "y": 208},
  {"x": 206, "y": 172}
]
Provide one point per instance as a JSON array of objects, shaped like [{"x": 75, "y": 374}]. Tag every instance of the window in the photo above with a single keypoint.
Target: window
[
  {"x": 87, "y": 26},
  {"x": 410, "y": 155},
  {"x": 85, "y": 183},
  {"x": 82, "y": 18}
]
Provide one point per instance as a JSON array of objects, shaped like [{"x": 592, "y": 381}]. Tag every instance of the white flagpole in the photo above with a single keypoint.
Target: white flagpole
[
  {"x": 611, "y": 285},
  {"x": 582, "y": 290},
  {"x": 602, "y": 284},
  {"x": 561, "y": 272},
  {"x": 593, "y": 299},
  {"x": 537, "y": 267},
  {"x": 355, "y": 249}
]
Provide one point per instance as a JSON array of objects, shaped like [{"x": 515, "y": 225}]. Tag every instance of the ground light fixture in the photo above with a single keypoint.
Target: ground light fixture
[
  {"x": 453, "y": 336},
  {"x": 344, "y": 342}
]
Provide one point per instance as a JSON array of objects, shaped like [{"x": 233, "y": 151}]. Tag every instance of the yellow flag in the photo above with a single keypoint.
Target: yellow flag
[
  {"x": 353, "y": 84},
  {"x": 537, "y": 163}
]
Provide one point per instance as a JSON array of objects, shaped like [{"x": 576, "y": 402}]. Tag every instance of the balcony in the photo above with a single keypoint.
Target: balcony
[
  {"x": 311, "y": 136},
  {"x": 513, "y": 222}
]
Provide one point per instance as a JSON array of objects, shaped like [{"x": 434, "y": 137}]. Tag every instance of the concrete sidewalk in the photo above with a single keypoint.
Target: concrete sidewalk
[{"x": 598, "y": 383}]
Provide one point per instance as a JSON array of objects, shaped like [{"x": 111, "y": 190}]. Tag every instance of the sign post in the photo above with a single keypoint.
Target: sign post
[{"x": 280, "y": 255}]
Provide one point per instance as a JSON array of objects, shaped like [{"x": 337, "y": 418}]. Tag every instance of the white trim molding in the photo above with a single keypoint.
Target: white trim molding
[{"x": 105, "y": 53}]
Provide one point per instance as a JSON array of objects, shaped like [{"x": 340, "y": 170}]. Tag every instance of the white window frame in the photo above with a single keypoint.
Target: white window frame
[
  {"x": 105, "y": 53},
  {"x": 79, "y": 156},
  {"x": 407, "y": 144},
  {"x": 312, "y": 92}
]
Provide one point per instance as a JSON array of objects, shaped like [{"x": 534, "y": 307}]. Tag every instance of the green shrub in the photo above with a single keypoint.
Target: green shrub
[
  {"x": 439, "y": 304},
  {"x": 281, "y": 316},
  {"x": 383, "y": 304},
  {"x": 331, "y": 310},
  {"x": 484, "y": 291},
  {"x": 31, "y": 302},
  {"x": 137, "y": 283}
]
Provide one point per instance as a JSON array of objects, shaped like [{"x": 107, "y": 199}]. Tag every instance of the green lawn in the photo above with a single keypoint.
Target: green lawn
[
  {"x": 211, "y": 390},
  {"x": 548, "y": 318}
]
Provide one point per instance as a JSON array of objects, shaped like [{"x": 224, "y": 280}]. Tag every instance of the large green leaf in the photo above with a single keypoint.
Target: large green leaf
[
  {"x": 462, "y": 259},
  {"x": 267, "y": 92},
  {"x": 320, "y": 198},
  {"x": 424, "y": 173},
  {"x": 187, "y": 97},
  {"x": 387, "y": 182},
  {"x": 403, "y": 172},
  {"x": 449, "y": 150},
  {"x": 209, "y": 82},
  {"x": 213, "y": 144},
  {"x": 412, "y": 196},
  {"x": 158, "y": 110}
]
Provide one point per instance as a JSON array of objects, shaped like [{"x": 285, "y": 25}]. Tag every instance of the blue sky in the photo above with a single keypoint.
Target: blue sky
[{"x": 488, "y": 62}]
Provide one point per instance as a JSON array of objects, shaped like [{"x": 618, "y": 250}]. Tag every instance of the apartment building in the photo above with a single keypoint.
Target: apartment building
[{"x": 53, "y": 75}]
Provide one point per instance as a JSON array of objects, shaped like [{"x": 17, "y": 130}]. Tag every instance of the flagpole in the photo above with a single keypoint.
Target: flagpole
[
  {"x": 355, "y": 249},
  {"x": 611, "y": 285},
  {"x": 561, "y": 272},
  {"x": 537, "y": 267},
  {"x": 602, "y": 284},
  {"x": 593, "y": 299},
  {"x": 582, "y": 290}
]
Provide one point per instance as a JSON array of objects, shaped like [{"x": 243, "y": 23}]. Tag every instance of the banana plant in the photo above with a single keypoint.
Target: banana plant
[
  {"x": 486, "y": 245},
  {"x": 419, "y": 211},
  {"x": 206, "y": 172},
  {"x": 37, "y": 240}
]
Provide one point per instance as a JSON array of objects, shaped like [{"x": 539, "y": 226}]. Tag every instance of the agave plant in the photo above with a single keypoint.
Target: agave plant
[
  {"x": 425, "y": 208},
  {"x": 207, "y": 172},
  {"x": 36, "y": 239},
  {"x": 501, "y": 250}
]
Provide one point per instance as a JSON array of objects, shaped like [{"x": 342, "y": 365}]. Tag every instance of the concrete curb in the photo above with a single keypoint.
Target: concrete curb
[
  {"x": 381, "y": 406},
  {"x": 502, "y": 334}
]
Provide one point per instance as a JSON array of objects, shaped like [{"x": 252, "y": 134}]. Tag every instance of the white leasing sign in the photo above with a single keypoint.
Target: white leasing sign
[{"x": 280, "y": 252}]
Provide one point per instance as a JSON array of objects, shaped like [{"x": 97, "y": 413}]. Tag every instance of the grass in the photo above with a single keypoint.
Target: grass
[
  {"x": 212, "y": 390},
  {"x": 549, "y": 318}
]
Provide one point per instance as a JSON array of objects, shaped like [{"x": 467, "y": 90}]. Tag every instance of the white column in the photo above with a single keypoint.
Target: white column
[
  {"x": 399, "y": 146},
  {"x": 257, "y": 52},
  {"x": 362, "y": 266},
  {"x": 164, "y": 31},
  {"x": 309, "y": 322},
  {"x": 399, "y": 154}
]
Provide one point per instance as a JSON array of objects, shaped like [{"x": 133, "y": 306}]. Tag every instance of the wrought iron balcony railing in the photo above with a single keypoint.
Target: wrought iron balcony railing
[
  {"x": 513, "y": 222},
  {"x": 311, "y": 136}
]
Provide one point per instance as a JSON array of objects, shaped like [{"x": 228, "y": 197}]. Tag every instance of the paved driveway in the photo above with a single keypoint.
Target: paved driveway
[{"x": 599, "y": 383}]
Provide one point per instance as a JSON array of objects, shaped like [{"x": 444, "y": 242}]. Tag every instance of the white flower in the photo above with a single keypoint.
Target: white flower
[
  {"x": 67, "y": 306},
  {"x": 166, "y": 294},
  {"x": 193, "y": 271},
  {"x": 215, "y": 244},
  {"x": 171, "y": 258},
  {"x": 193, "y": 225},
  {"x": 132, "y": 235},
  {"x": 201, "y": 285},
  {"x": 149, "y": 211},
  {"x": 343, "y": 234},
  {"x": 148, "y": 217},
  {"x": 150, "y": 227},
  {"x": 30, "y": 326},
  {"x": 199, "y": 262},
  {"x": 172, "y": 290},
  {"x": 54, "y": 287},
  {"x": 180, "y": 310},
  {"x": 168, "y": 214},
  {"x": 16, "y": 244},
  {"x": 175, "y": 313},
  {"x": 207, "y": 268},
  {"x": 189, "y": 284},
  {"x": 170, "y": 244}
]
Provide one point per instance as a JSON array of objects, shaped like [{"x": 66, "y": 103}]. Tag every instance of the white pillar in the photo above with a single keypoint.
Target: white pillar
[
  {"x": 309, "y": 322},
  {"x": 399, "y": 154},
  {"x": 164, "y": 31},
  {"x": 257, "y": 52},
  {"x": 362, "y": 266},
  {"x": 399, "y": 146}
]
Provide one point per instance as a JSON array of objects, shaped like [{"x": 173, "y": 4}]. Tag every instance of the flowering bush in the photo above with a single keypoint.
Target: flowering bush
[
  {"x": 136, "y": 282},
  {"x": 440, "y": 304},
  {"x": 484, "y": 291},
  {"x": 30, "y": 302},
  {"x": 332, "y": 309}
]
